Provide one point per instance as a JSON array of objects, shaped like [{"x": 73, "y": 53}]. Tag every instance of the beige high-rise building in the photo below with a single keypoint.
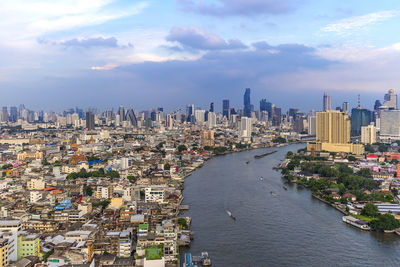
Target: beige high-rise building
[
  {"x": 368, "y": 134},
  {"x": 333, "y": 134},
  {"x": 333, "y": 126}
]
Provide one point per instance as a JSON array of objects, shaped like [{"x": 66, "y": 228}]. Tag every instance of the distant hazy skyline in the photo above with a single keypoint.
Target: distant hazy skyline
[{"x": 143, "y": 54}]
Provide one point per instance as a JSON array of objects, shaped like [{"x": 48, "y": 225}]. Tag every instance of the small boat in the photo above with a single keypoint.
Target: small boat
[
  {"x": 247, "y": 162},
  {"x": 272, "y": 193},
  {"x": 261, "y": 178},
  {"x": 230, "y": 215},
  {"x": 205, "y": 259},
  {"x": 284, "y": 187}
]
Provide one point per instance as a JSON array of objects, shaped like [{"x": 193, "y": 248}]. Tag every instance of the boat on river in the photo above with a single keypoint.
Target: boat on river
[
  {"x": 205, "y": 259},
  {"x": 284, "y": 187},
  {"x": 363, "y": 225},
  {"x": 230, "y": 215}
]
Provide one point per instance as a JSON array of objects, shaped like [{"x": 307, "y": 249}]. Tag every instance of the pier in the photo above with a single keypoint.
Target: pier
[{"x": 265, "y": 154}]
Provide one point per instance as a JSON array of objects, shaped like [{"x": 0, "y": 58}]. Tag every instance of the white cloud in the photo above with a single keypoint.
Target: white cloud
[
  {"x": 21, "y": 20},
  {"x": 358, "y": 69},
  {"x": 347, "y": 25}
]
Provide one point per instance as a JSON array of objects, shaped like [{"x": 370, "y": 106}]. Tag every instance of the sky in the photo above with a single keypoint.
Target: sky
[{"x": 149, "y": 53}]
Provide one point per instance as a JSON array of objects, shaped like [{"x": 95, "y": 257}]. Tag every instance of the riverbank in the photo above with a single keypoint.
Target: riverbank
[
  {"x": 343, "y": 187},
  {"x": 265, "y": 223}
]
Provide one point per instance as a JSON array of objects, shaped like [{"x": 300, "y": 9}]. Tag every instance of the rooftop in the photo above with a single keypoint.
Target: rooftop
[
  {"x": 143, "y": 226},
  {"x": 154, "y": 253}
]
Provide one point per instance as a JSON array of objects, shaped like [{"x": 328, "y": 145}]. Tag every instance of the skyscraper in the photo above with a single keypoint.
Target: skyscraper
[
  {"x": 225, "y": 108},
  {"x": 333, "y": 134},
  {"x": 263, "y": 105},
  {"x": 189, "y": 112},
  {"x": 247, "y": 104},
  {"x": 293, "y": 113},
  {"x": 368, "y": 134},
  {"x": 13, "y": 114},
  {"x": 333, "y": 127},
  {"x": 131, "y": 117},
  {"x": 121, "y": 112},
  {"x": 245, "y": 127},
  {"x": 212, "y": 120},
  {"x": 390, "y": 99},
  {"x": 327, "y": 102},
  {"x": 153, "y": 116},
  {"x": 359, "y": 117},
  {"x": 170, "y": 121},
  {"x": 199, "y": 116},
  {"x": 276, "y": 115},
  {"x": 377, "y": 105},
  {"x": 4, "y": 115},
  {"x": 345, "y": 107},
  {"x": 389, "y": 124},
  {"x": 212, "y": 107},
  {"x": 90, "y": 120},
  {"x": 312, "y": 124}
]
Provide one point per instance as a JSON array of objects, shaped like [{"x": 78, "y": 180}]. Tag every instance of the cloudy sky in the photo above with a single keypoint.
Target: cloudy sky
[{"x": 143, "y": 54}]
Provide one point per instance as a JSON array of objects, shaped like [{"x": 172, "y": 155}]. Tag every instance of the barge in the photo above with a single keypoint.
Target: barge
[
  {"x": 265, "y": 154},
  {"x": 363, "y": 225}
]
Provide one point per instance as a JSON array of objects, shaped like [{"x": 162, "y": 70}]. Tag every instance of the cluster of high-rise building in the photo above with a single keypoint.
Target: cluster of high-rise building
[
  {"x": 105, "y": 188},
  {"x": 385, "y": 118},
  {"x": 79, "y": 186},
  {"x": 361, "y": 125}
]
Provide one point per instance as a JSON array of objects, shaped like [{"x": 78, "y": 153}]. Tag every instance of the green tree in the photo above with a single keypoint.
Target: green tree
[
  {"x": 344, "y": 169},
  {"x": 105, "y": 203},
  {"x": 369, "y": 148},
  {"x": 279, "y": 140},
  {"x": 219, "y": 150},
  {"x": 385, "y": 222},
  {"x": 89, "y": 191},
  {"x": 181, "y": 148},
  {"x": 370, "y": 210},
  {"x": 112, "y": 174},
  {"x": 72, "y": 176},
  {"x": 382, "y": 147},
  {"x": 351, "y": 158},
  {"x": 342, "y": 189},
  {"x": 182, "y": 223},
  {"x": 131, "y": 178},
  {"x": 167, "y": 166},
  {"x": 6, "y": 166},
  {"x": 365, "y": 172}
]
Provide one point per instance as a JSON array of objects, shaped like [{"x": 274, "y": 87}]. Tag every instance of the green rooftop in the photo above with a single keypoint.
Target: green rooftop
[
  {"x": 154, "y": 253},
  {"x": 143, "y": 226}
]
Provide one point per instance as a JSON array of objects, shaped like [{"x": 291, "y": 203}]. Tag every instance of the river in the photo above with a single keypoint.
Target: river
[{"x": 289, "y": 228}]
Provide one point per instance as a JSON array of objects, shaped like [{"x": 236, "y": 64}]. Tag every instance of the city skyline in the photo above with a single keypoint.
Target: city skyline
[{"x": 115, "y": 53}]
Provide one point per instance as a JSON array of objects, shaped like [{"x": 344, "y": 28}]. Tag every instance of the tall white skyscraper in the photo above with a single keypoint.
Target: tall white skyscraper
[
  {"x": 312, "y": 122},
  {"x": 170, "y": 121},
  {"x": 389, "y": 124},
  {"x": 346, "y": 108},
  {"x": 327, "y": 102},
  {"x": 199, "y": 115},
  {"x": 390, "y": 99},
  {"x": 212, "y": 120},
  {"x": 245, "y": 127}
]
